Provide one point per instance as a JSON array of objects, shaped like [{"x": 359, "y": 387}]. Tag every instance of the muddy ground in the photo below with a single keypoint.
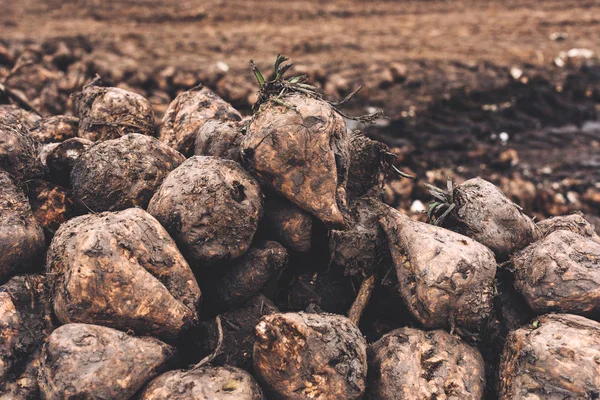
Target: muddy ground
[{"x": 470, "y": 87}]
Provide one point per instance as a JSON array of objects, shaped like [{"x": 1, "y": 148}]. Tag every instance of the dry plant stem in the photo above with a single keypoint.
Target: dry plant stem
[
  {"x": 362, "y": 299},
  {"x": 215, "y": 353}
]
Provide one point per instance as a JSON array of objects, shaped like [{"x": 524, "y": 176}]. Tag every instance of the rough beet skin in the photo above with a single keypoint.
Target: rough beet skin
[
  {"x": 301, "y": 154},
  {"x": 189, "y": 112},
  {"x": 418, "y": 365},
  {"x": 446, "y": 279},
  {"x": 122, "y": 173},
  {"x": 320, "y": 356},
  {"x": 554, "y": 357},
  {"x": 21, "y": 237},
  {"x": 121, "y": 269},
  {"x": 95, "y": 362},
  {"x": 210, "y": 206}
]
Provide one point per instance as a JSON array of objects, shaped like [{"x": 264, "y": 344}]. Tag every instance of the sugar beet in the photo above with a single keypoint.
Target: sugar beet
[
  {"x": 210, "y": 206},
  {"x": 219, "y": 138},
  {"x": 247, "y": 275},
  {"x": 95, "y": 362},
  {"x": 446, "y": 279},
  {"x": 60, "y": 158},
  {"x": 19, "y": 152},
  {"x": 300, "y": 153},
  {"x": 57, "y": 128},
  {"x": 560, "y": 272},
  {"x": 122, "y": 173},
  {"x": 291, "y": 225},
  {"x": 21, "y": 237},
  {"x": 121, "y": 269},
  {"x": 574, "y": 223},
  {"x": 362, "y": 247},
  {"x": 418, "y": 365},
  {"x": 555, "y": 357},
  {"x": 486, "y": 215},
  {"x": 300, "y": 356},
  {"x": 204, "y": 383},
  {"x": 189, "y": 112},
  {"x": 109, "y": 113}
]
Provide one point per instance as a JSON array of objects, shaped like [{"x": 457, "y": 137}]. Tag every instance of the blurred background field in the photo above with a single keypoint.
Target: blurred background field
[{"x": 508, "y": 90}]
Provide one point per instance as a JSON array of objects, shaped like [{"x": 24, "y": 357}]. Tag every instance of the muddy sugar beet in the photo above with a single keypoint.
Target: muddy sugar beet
[
  {"x": 301, "y": 154},
  {"x": 122, "y": 173},
  {"x": 211, "y": 207},
  {"x": 446, "y": 279},
  {"x": 121, "y": 270},
  {"x": 303, "y": 356}
]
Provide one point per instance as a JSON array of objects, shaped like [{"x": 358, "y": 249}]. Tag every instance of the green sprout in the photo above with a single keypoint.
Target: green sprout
[
  {"x": 274, "y": 89},
  {"x": 443, "y": 202}
]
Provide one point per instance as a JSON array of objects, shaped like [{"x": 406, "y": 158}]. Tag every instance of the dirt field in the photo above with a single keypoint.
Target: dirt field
[{"x": 451, "y": 75}]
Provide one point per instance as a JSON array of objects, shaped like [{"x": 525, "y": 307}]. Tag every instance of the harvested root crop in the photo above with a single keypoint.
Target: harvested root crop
[
  {"x": 61, "y": 157},
  {"x": 446, "y": 279},
  {"x": 413, "y": 364},
  {"x": 52, "y": 205},
  {"x": 554, "y": 357},
  {"x": 21, "y": 237},
  {"x": 368, "y": 160},
  {"x": 122, "y": 173},
  {"x": 477, "y": 209},
  {"x": 362, "y": 247},
  {"x": 11, "y": 114},
  {"x": 219, "y": 138},
  {"x": 237, "y": 339},
  {"x": 95, "y": 362},
  {"x": 57, "y": 128},
  {"x": 204, "y": 383},
  {"x": 189, "y": 112},
  {"x": 320, "y": 356},
  {"x": 291, "y": 225},
  {"x": 299, "y": 150},
  {"x": 210, "y": 206},
  {"x": 246, "y": 276},
  {"x": 560, "y": 273},
  {"x": 574, "y": 223},
  {"x": 19, "y": 153},
  {"x": 109, "y": 113},
  {"x": 25, "y": 323},
  {"x": 122, "y": 270}
]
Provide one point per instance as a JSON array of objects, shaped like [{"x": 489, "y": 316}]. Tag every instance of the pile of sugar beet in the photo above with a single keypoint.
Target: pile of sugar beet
[{"x": 231, "y": 257}]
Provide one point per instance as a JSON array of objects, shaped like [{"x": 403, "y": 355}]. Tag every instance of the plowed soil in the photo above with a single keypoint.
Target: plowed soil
[{"x": 471, "y": 87}]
